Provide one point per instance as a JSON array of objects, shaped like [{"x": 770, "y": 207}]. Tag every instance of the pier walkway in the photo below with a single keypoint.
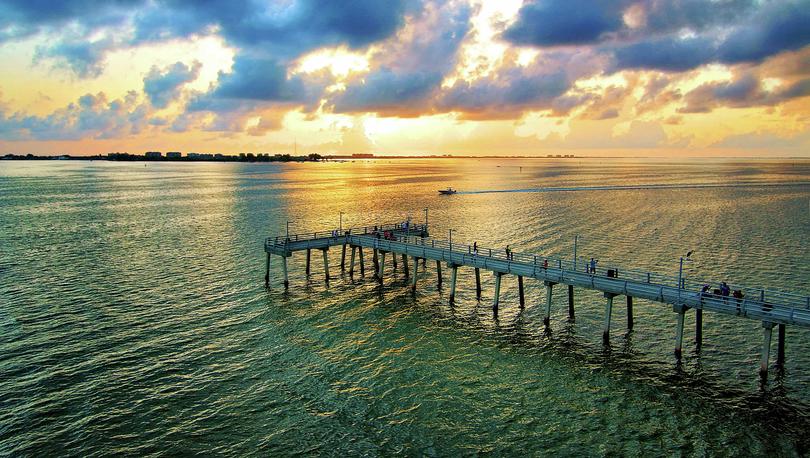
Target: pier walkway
[{"x": 771, "y": 308}]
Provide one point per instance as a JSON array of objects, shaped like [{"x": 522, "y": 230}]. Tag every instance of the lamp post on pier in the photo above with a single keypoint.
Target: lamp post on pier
[
  {"x": 426, "y": 217},
  {"x": 680, "y": 271}
]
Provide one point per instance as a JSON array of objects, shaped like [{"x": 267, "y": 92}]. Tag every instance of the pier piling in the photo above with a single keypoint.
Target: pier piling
[
  {"x": 382, "y": 267},
  {"x": 453, "y": 276},
  {"x": 780, "y": 347},
  {"x": 478, "y": 283},
  {"x": 629, "y": 313},
  {"x": 497, "y": 297},
  {"x": 698, "y": 329},
  {"x": 520, "y": 291},
  {"x": 413, "y": 278},
  {"x": 362, "y": 264},
  {"x": 767, "y": 331},
  {"x": 608, "y": 312},
  {"x": 267, "y": 272},
  {"x": 351, "y": 262},
  {"x": 343, "y": 258},
  {"x": 549, "y": 289},
  {"x": 307, "y": 268},
  {"x": 284, "y": 270},
  {"x": 571, "y": 302},
  {"x": 376, "y": 261},
  {"x": 405, "y": 264},
  {"x": 439, "y": 273},
  {"x": 681, "y": 311},
  {"x": 326, "y": 265}
]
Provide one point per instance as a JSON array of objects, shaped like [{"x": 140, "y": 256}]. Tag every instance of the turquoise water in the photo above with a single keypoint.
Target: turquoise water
[{"x": 134, "y": 319}]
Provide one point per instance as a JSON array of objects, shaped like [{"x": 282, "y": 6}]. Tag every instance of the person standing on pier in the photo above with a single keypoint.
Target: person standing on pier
[
  {"x": 475, "y": 248},
  {"x": 593, "y": 265}
]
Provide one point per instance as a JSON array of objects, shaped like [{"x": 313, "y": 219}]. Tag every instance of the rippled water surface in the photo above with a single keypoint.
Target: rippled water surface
[{"x": 134, "y": 318}]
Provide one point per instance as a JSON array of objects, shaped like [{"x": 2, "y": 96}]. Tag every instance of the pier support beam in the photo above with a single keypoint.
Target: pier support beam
[
  {"x": 681, "y": 311},
  {"x": 608, "y": 312},
  {"x": 497, "y": 297},
  {"x": 629, "y": 313},
  {"x": 549, "y": 288},
  {"x": 376, "y": 261},
  {"x": 698, "y": 329},
  {"x": 307, "y": 269},
  {"x": 453, "y": 276},
  {"x": 780, "y": 348},
  {"x": 413, "y": 278},
  {"x": 362, "y": 264},
  {"x": 351, "y": 263},
  {"x": 382, "y": 267},
  {"x": 439, "y": 272},
  {"x": 267, "y": 272},
  {"x": 520, "y": 292},
  {"x": 571, "y": 302},
  {"x": 343, "y": 259},
  {"x": 405, "y": 265},
  {"x": 326, "y": 265},
  {"x": 478, "y": 283},
  {"x": 767, "y": 331},
  {"x": 284, "y": 270}
]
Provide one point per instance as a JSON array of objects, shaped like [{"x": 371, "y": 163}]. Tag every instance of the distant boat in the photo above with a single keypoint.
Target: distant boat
[{"x": 447, "y": 191}]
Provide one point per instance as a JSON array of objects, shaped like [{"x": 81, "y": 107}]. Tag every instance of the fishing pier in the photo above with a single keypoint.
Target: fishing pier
[{"x": 412, "y": 242}]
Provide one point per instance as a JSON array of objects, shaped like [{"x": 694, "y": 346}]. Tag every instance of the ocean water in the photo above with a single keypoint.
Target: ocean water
[{"x": 134, "y": 318}]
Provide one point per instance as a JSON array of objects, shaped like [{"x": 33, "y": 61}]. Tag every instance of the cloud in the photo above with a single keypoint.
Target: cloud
[
  {"x": 92, "y": 116},
  {"x": 163, "y": 87},
  {"x": 282, "y": 29},
  {"x": 780, "y": 26},
  {"x": 22, "y": 18},
  {"x": 559, "y": 22},
  {"x": 671, "y": 54},
  {"x": 387, "y": 90},
  {"x": 411, "y": 66},
  {"x": 744, "y": 91},
  {"x": 84, "y": 58}
]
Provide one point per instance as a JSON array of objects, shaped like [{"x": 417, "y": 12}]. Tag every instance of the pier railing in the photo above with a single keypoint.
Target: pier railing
[{"x": 281, "y": 240}]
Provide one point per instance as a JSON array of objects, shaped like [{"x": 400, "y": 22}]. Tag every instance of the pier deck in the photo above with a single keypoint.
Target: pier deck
[{"x": 771, "y": 308}]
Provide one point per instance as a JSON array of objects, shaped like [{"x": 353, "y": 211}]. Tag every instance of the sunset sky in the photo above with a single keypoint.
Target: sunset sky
[{"x": 505, "y": 77}]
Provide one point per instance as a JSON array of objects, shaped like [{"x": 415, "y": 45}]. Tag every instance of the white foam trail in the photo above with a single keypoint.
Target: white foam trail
[{"x": 643, "y": 186}]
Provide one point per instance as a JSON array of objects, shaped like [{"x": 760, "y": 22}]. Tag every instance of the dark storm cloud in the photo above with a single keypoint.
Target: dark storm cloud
[
  {"x": 669, "y": 54},
  {"x": 780, "y": 26},
  {"x": 253, "y": 79},
  {"x": 283, "y": 29},
  {"x": 731, "y": 31},
  {"x": 163, "y": 87},
  {"x": 562, "y": 22}
]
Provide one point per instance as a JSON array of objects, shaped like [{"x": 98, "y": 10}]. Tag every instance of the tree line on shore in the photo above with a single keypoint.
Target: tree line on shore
[{"x": 191, "y": 157}]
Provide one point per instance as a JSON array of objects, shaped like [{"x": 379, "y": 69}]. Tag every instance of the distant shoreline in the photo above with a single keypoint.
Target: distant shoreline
[{"x": 252, "y": 158}]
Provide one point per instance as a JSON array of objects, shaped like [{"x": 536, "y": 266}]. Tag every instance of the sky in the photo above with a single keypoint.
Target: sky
[{"x": 408, "y": 77}]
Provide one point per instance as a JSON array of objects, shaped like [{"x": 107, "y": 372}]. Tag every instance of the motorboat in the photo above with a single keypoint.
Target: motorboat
[{"x": 447, "y": 191}]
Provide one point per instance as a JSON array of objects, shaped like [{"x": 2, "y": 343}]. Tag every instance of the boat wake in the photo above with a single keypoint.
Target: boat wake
[{"x": 643, "y": 187}]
